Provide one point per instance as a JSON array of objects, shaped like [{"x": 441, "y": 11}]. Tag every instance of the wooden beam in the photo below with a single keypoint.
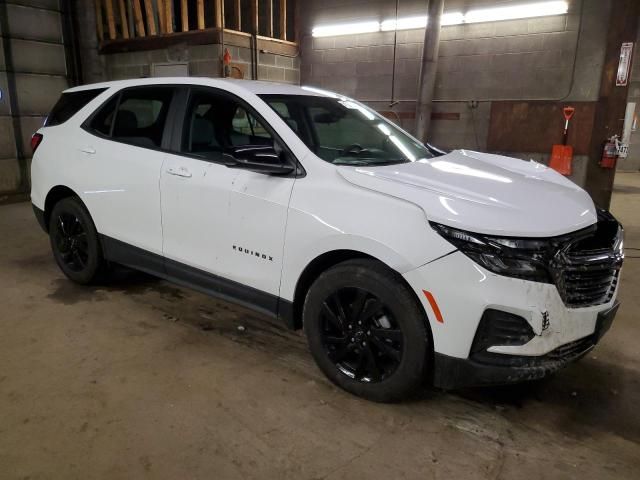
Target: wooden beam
[
  {"x": 200, "y": 14},
  {"x": 137, "y": 13},
  {"x": 269, "y": 18},
  {"x": 162, "y": 20},
  {"x": 99, "y": 21},
  {"x": 151, "y": 21},
  {"x": 184, "y": 13},
  {"x": 217, "y": 14},
  {"x": 111, "y": 21},
  {"x": 283, "y": 19},
  {"x": 123, "y": 19},
  {"x": 255, "y": 25},
  {"x": 238, "y": 14},
  {"x": 168, "y": 8}
]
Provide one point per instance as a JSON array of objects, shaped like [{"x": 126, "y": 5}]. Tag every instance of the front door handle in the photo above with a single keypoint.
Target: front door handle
[
  {"x": 89, "y": 150},
  {"x": 179, "y": 172}
]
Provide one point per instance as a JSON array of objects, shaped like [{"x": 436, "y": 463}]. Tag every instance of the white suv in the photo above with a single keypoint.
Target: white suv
[{"x": 402, "y": 262}]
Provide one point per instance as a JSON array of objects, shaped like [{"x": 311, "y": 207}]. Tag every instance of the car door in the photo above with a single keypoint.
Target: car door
[
  {"x": 223, "y": 227},
  {"x": 121, "y": 158}
]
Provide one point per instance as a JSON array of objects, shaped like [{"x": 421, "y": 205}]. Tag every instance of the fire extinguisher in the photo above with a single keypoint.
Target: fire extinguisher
[{"x": 610, "y": 153}]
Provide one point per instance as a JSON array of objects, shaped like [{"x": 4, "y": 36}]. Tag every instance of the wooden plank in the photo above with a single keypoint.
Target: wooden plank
[
  {"x": 99, "y": 21},
  {"x": 151, "y": 21},
  {"x": 254, "y": 17},
  {"x": 123, "y": 19},
  {"x": 200, "y": 14},
  {"x": 111, "y": 21},
  {"x": 269, "y": 18},
  {"x": 161, "y": 16},
  {"x": 218, "y": 14},
  {"x": 283, "y": 19},
  {"x": 184, "y": 13},
  {"x": 137, "y": 13},
  {"x": 238, "y": 15},
  {"x": 168, "y": 9}
]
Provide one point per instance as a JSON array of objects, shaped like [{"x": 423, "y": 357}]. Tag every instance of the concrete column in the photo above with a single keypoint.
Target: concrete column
[
  {"x": 428, "y": 70},
  {"x": 612, "y": 101}
]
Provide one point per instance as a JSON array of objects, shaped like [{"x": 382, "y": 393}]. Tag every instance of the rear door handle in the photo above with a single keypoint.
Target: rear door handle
[
  {"x": 179, "y": 172},
  {"x": 89, "y": 150}
]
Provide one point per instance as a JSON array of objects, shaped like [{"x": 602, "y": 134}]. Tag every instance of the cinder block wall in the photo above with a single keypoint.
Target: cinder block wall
[
  {"x": 203, "y": 61},
  {"x": 38, "y": 67},
  {"x": 557, "y": 58}
]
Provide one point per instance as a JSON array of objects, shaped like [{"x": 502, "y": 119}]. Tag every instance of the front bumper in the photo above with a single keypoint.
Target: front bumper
[
  {"x": 451, "y": 372},
  {"x": 463, "y": 292}
]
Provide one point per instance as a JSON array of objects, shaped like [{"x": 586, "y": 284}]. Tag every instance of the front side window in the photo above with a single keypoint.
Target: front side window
[
  {"x": 344, "y": 132},
  {"x": 215, "y": 123},
  {"x": 136, "y": 116}
]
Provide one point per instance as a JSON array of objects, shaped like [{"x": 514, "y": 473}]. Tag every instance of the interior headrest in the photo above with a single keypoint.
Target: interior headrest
[{"x": 126, "y": 123}]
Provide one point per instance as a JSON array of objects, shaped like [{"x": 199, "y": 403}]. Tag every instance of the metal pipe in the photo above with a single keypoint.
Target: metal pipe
[
  {"x": 429, "y": 68},
  {"x": 395, "y": 49}
]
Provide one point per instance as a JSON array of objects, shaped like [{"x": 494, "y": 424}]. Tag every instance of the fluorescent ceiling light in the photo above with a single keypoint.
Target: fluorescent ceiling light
[
  {"x": 345, "y": 29},
  {"x": 529, "y": 10},
  {"x": 452, "y": 18},
  {"x": 410, "y": 23},
  {"x": 539, "y": 9},
  {"x": 406, "y": 23}
]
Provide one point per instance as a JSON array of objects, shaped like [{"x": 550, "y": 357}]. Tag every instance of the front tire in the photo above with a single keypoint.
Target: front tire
[
  {"x": 366, "y": 331},
  {"x": 74, "y": 241}
]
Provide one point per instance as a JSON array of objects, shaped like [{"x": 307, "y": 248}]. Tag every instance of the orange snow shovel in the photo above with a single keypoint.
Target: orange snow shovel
[{"x": 562, "y": 155}]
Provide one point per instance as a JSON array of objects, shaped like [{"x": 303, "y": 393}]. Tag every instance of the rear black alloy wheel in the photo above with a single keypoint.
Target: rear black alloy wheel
[
  {"x": 366, "y": 331},
  {"x": 74, "y": 241},
  {"x": 360, "y": 335},
  {"x": 70, "y": 238}
]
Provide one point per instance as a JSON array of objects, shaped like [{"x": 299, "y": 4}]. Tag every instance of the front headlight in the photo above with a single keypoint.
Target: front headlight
[{"x": 513, "y": 257}]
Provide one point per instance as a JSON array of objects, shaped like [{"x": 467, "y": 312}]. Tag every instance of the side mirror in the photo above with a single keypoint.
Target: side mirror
[{"x": 258, "y": 158}]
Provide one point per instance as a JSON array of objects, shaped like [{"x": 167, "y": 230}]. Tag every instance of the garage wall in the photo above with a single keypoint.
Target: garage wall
[
  {"x": 553, "y": 59},
  {"x": 32, "y": 75}
]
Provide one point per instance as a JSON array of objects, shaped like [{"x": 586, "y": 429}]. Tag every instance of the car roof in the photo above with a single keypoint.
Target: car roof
[{"x": 253, "y": 86}]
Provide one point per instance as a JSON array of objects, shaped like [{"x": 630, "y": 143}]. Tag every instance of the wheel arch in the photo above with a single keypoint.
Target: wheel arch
[
  {"x": 324, "y": 262},
  {"x": 54, "y": 195}
]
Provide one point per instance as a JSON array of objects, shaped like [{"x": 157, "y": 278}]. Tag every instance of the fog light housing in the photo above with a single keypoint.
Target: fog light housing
[{"x": 498, "y": 328}]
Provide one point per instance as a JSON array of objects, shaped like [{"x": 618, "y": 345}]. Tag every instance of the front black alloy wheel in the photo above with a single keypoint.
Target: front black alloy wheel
[
  {"x": 360, "y": 335},
  {"x": 74, "y": 241},
  {"x": 367, "y": 331}
]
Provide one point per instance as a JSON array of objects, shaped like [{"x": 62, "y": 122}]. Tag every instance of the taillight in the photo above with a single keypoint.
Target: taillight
[{"x": 36, "y": 139}]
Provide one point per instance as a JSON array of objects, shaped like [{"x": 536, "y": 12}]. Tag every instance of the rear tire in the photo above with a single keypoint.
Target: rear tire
[
  {"x": 367, "y": 332},
  {"x": 74, "y": 241}
]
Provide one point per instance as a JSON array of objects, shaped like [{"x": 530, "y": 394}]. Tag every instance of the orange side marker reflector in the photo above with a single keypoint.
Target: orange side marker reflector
[{"x": 434, "y": 306}]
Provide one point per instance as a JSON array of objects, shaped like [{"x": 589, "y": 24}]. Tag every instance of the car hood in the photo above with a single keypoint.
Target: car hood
[{"x": 484, "y": 193}]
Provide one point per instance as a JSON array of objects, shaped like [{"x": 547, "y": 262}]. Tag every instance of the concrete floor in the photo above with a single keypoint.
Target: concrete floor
[{"x": 140, "y": 379}]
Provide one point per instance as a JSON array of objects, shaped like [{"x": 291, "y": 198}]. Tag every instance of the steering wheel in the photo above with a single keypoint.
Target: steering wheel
[{"x": 353, "y": 149}]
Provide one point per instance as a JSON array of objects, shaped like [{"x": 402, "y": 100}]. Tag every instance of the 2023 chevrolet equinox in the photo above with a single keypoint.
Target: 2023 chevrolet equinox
[{"x": 403, "y": 263}]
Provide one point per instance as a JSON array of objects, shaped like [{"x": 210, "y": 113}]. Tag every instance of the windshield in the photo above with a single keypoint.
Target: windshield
[{"x": 344, "y": 132}]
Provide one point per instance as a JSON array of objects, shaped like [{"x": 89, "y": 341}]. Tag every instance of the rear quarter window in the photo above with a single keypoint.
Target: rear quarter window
[{"x": 69, "y": 104}]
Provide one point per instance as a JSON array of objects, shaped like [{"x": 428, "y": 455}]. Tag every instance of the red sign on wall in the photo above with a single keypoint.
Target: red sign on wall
[{"x": 624, "y": 67}]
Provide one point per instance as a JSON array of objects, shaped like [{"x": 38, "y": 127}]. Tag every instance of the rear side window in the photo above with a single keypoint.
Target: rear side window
[
  {"x": 103, "y": 120},
  {"x": 136, "y": 116},
  {"x": 69, "y": 104}
]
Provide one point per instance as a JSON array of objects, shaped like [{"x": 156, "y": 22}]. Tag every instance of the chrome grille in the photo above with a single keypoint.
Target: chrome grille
[{"x": 586, "y": 267}]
